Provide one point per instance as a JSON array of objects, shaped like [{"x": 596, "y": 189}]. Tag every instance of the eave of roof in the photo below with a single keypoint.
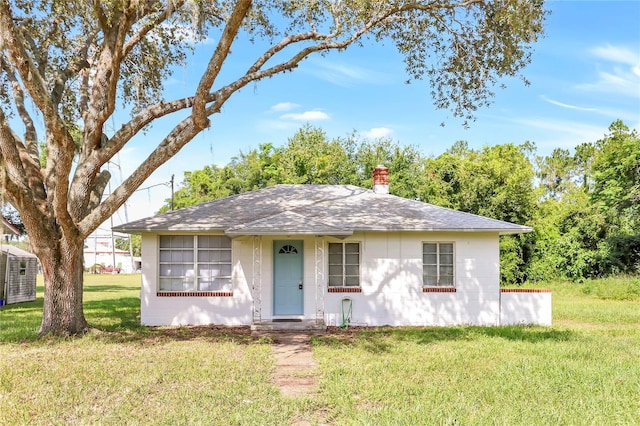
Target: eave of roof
[{"x": 9, "y": 227}]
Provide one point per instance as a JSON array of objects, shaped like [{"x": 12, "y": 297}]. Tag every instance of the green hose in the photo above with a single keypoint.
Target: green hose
[{"x": 346, "y": 319}]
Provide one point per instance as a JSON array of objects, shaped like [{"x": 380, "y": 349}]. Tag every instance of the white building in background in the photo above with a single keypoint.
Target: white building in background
[{"x": 100, "y": 249}]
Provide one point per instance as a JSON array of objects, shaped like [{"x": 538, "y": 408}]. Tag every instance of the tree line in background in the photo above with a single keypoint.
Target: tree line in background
[{"x": 584, "y": 206}]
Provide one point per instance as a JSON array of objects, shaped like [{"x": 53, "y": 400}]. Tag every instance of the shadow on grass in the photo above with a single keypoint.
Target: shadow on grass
[
  {"x": 381, "y": 339},
  {"x": 143, "y": 335},
  {"x": 112, "y": 309},
  {"x": 115, "y": 320},
  {"x": 20, "y": 322},
  {"x": 109, "y": 288}
]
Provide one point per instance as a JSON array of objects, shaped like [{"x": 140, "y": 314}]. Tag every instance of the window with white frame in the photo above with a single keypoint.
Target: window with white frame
[
  {"x": 195, "y": 263},
  {"x": 437, "y": 264},
  {"x": 344, "y": 264}
]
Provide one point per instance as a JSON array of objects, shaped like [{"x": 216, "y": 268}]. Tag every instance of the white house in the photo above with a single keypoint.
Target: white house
[
  {"x": 327, "y": 255},
  {"x": 100, "y": 249}
]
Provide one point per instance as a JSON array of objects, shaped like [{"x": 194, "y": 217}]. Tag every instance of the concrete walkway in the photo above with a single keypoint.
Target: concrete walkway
[{"x": 296, "y": 370}]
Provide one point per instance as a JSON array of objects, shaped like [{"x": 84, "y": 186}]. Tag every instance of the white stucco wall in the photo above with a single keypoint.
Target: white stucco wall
[
  {"x": 154, "y": 310},
  {"x": 392, "y": 291},
  {"x": 391, "y": 284},
  {"x": 526, "y": 306}
]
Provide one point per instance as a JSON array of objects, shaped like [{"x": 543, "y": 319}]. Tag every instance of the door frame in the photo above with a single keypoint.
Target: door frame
[{"x": 299, "y": 244}]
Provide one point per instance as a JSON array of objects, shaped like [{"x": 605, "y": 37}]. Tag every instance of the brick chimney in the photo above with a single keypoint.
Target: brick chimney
[{"x": 381, "y": 180}]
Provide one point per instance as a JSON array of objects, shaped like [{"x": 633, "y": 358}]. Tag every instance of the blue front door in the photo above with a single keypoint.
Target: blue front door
[{"x": 288, "y": 285}]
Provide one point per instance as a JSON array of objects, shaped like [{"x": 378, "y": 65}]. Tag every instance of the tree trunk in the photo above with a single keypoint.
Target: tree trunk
[{"x": 63, "y": 313}]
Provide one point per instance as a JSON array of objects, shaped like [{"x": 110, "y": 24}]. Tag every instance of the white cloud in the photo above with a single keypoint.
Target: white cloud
[
  {"x": 378, "y": 132},
  {"x": 306, "y": 116},
  {"x": 568, "y": 106},
  {"x": 616, "y": 81},
  {"x": 563, "y": 133},
  {"x": 616, "y": 54},
  {"x": 620, "y": 75},
  {"x": 283, "y": 106}
]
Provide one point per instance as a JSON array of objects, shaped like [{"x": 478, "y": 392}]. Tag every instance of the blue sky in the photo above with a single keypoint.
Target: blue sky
[{"x": 585, "y": 73}]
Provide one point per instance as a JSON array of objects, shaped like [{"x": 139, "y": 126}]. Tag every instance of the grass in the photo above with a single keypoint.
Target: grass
[
  {"x": 111, "y": 303},
  {"x": 582, "y": 370}
]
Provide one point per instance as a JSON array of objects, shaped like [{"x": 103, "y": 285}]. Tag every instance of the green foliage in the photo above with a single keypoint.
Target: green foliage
[
  {"x": 512, "y": 260},
  {"x": 134, "y": 240},
  {"x": 616, "y": 175},
  {"x": 495, "y": 181},
  {"x": 587, "y": 222},
  {"x": 556, "y": 172},
  {"x": 309, "y": 157},
  {"x": 622, "y": 255},
  {"x": 568, "y": 235}
]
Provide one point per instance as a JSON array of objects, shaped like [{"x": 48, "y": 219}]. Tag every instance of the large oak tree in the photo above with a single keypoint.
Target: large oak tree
[{"x": 67, "y": 68}]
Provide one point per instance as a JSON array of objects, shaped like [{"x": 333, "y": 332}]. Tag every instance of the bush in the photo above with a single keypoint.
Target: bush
[{"x": 623, "y": 255}]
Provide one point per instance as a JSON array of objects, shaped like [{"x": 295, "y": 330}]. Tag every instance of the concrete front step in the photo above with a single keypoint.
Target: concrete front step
[{"x": 304, "y": 325}]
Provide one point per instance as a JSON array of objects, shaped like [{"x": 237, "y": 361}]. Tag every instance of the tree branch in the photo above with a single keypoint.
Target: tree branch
[
  {"x": 83, "y": 89},
  {"x": 30, "y": 134},
  {"x": 103, "y": 94},
  {"x": 217, "y": 59},
  {"x": 172, "y": 6},
  {"x": 75, "y": 68},
  {"x": 61, "y": 152},
  {"x": 21, "y": 170},
  {"x": 182, "y": 134},
  {"x": 92, "y": 160},
  {"x": 100, "y": 16}
]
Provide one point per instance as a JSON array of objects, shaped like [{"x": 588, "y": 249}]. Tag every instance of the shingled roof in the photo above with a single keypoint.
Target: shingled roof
[{"x": 338, "y": 210}]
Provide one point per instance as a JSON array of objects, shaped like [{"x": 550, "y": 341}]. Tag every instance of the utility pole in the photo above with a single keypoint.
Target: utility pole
[{"x": 172, "y": 192}]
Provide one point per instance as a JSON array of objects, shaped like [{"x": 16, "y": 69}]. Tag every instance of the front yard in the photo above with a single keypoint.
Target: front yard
[{"x": 582, "y": 370}]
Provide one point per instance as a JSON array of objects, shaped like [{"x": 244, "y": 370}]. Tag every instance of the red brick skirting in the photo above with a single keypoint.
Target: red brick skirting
[
  {"x": 344, "y": 290},
  {"x": 525, "y": 290},
  {"x": 195, "y": 294},
  {"x": 438, "y": 289}
]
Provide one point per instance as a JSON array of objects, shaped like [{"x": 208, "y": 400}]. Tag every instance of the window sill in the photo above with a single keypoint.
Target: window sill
[
  {"x": 525, "y": 290},
  {"x": 344, "y": 289},
  {"x": 439, "y": 289},
  {"x": 194, "y": 294}
]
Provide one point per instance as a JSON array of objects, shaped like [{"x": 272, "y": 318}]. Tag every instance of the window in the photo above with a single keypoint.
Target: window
[
  {"x": 23, "y": 268},
  {"x": 437, "y": 264},
  {"x": 288, "y": 249},
  {"x": 344, "y": 264},
  {"x": 195, "y": 263}
]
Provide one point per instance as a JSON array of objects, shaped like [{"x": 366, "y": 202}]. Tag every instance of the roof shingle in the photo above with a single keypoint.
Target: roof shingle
[{"x": 316, "y": 210}]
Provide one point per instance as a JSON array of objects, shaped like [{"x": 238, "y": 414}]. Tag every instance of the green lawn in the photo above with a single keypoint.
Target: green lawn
[{"x": 585, "y": 369}]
